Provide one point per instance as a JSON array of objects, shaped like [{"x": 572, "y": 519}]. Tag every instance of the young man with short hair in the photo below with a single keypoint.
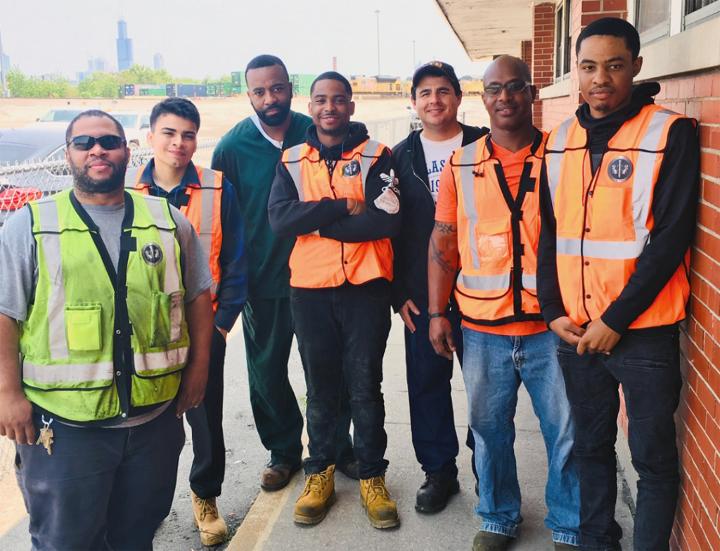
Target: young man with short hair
[
  {"x": 418, "y": 159},
  {"x": 484, "y": 246},
  {"x": 336, "y": 195},
  {"x": 248, "y": 155},
  {"x": 618, "y": 221},
  {"x": 209, "y": 202}
]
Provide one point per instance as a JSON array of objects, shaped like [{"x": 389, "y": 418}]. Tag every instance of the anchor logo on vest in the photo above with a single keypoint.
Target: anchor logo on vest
[
  {"x": 152, "y": 254},
  {"x": 351, "y": 169},
  {"x": 620, "y": 169}
]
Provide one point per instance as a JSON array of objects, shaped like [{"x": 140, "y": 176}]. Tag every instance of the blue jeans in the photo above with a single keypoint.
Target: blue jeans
[{"x": 493, "y": 368}]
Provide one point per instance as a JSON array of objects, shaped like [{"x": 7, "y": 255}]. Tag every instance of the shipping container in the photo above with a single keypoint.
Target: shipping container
[{"x": 171, "y": 90}]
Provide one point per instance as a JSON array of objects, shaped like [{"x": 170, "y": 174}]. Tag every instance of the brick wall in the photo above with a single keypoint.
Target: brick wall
[
  {"x": 697, "y": 523},
  {"x": 543, "y": 26}
]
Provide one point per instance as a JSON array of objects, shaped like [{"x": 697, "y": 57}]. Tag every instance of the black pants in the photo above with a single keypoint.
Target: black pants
[
  {"x": 646, "y": 364},
  {"x": 102, "y": 488},
  {"x": 342, "y": 333},
  {"x": 208, "y": 467}
]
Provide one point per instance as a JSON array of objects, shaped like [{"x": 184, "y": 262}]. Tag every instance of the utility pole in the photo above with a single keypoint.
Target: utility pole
[
  {"x": 377, "y": 18},
  {"x": 3, "y": 72}
]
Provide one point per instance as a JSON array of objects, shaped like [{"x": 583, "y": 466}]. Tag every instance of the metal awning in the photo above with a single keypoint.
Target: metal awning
[{"x": 489, "y": 28}]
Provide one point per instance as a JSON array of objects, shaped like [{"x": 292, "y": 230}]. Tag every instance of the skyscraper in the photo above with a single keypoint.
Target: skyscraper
[
  {"x": 124, "y": 47},
  {"x": 158, "y": 62}
]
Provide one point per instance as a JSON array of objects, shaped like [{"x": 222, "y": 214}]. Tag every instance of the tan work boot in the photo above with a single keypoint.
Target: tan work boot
[
  {"x": 317, "y": 497},
  {"x": 381, "y": 510},
  {"x": 212, "y": 527}
]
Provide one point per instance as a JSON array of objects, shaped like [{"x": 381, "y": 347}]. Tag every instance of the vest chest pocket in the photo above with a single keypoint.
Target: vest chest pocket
[
  {"x": 493, "y": 240},
  {"x": 83, "y": 324},
  {"x": 611, "y": 217},
  {"x": 166, "y": 315}
]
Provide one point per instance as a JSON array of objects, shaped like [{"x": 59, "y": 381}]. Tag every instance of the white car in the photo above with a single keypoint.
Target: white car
[{"x": 136, "y": 126}]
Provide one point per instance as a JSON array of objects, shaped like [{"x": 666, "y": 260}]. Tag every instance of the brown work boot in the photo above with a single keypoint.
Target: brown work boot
[
  {"x": 381, "y": 509},
  {"x": 212, "y": 527},
  {"x": 317, "y": 497},
  {"x": 276, "y": 477},
  {"x": 490, "y": 541}
]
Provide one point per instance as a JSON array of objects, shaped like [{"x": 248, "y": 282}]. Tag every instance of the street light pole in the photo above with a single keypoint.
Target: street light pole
[{"x": 377, "y": 19}]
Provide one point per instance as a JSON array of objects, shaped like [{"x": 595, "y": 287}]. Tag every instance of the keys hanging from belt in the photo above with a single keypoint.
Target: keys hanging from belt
[{"x": 46, "y": 435}]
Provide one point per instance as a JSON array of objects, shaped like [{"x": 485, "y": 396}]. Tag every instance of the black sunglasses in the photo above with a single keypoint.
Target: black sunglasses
[
  {"x": 86, "y": 143},
  {"x": 513, "y": 87}
]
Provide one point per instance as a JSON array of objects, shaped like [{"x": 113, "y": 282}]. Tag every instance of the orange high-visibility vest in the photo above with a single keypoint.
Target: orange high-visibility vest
[
  {"x": 318, "y": 262},
  {"x": 203, "y": 210},
  {"x": 604, "y": 219},
  {"x": 497, "y": 235}
]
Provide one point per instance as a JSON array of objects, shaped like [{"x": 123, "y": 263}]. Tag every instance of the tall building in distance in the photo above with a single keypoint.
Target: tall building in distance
[
  {"x": 158, "y": 62},
  {"x": 4, "y": 68},
  {"x": 124, "y": 47},
  {"x": 96, "y": 65}
]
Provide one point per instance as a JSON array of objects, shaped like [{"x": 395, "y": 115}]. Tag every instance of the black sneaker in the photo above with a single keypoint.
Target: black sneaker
[{"x": 433, "y": 495}]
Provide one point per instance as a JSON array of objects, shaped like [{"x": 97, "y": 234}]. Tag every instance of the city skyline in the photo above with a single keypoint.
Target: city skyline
[{"x": 196, "y": 43}]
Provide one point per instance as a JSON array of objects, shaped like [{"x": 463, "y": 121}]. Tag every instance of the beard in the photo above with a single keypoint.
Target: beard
[
  {"x": 278, "y": 118},
  {"x": 86, "y": 184}
]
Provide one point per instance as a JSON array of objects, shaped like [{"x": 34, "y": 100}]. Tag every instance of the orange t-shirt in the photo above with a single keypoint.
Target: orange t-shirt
[{"x": 446, "y": 211}]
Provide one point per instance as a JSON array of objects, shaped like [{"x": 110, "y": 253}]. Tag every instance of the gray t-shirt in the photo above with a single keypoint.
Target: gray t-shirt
[{"x": 18, "y": 266}]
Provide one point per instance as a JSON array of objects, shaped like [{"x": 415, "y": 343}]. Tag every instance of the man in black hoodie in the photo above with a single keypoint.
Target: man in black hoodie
[
  {"x": 336, "y": 194},
  {"x": 618, "y": 220},
  {"x": 418, "y": 160}
]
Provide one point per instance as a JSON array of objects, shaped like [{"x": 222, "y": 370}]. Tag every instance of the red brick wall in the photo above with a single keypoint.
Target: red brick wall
[
  {"x": 526, "y": 52},
  {"x": 543, "y": 26},
  {"x": 697, "y": 523}
]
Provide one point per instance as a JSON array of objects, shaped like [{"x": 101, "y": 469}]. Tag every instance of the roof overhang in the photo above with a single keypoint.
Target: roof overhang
[{"x": 489, "y": 28}]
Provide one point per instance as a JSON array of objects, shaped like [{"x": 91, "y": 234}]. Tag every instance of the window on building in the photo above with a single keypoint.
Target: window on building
[
  {"x": 562, "y": 40},
  {"x": 695, "y": 10},
  {"x": 652, "y": 18}
]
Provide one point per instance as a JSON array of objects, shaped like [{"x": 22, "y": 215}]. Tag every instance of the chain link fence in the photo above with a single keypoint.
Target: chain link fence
[{"x": 23, "y": 182}]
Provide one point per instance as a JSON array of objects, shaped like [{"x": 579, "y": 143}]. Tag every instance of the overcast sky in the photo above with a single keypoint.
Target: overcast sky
[{"x": 202, "y": 38}]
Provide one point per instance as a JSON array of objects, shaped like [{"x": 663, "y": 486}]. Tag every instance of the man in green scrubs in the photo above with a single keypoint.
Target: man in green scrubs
[{"x": 248, "y": 155}]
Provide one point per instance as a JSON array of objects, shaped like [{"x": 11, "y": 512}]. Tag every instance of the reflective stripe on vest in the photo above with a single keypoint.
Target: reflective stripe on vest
[
  {"x": 50, "y": 237},
  {"x": 604, "y": 217},
  {"x": 208, "y": 225},
  {"x": 490, "y": 224},
  {"x": 642, "y": 193},
  {"x": 319, "y": 262}
]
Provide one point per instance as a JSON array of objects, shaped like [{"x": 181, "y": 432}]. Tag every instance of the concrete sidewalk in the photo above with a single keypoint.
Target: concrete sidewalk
[
  {"x": 263, "y": 521},
  {"x": 268, "y": 525}
]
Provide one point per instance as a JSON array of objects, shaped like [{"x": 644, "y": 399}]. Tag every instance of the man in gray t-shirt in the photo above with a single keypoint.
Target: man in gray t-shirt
[{"x": 99, "y": 479}]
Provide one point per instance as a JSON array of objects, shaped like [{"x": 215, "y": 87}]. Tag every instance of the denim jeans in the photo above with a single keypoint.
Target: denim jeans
[
  {"x": 342, "y": 333},
  {"x": 493, "y": 368},
  {"x": 646, "y": 364}
]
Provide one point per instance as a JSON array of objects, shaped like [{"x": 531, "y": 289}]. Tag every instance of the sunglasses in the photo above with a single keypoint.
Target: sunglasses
[
  {"x": 86, "y": 143},
  {"x": 513, "y": 87}
]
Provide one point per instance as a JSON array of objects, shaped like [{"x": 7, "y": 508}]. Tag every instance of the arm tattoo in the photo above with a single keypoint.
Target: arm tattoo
[
  {"x": 443, "y": 227},
  {"x": 438, "y": 257}
]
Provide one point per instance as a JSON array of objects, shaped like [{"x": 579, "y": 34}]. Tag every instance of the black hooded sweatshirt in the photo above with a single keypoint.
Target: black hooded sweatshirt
[
  {"x": 674, "y": 208},
  {"x": 290, "y": 217}
]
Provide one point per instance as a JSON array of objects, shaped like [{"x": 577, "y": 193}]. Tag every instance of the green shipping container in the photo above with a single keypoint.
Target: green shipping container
[{"x": 238, "y": 78}]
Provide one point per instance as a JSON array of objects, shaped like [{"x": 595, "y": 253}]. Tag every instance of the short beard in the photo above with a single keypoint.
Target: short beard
[
  {"x": 279, "y": 118},
  {"x": 87, "y": 185}
]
